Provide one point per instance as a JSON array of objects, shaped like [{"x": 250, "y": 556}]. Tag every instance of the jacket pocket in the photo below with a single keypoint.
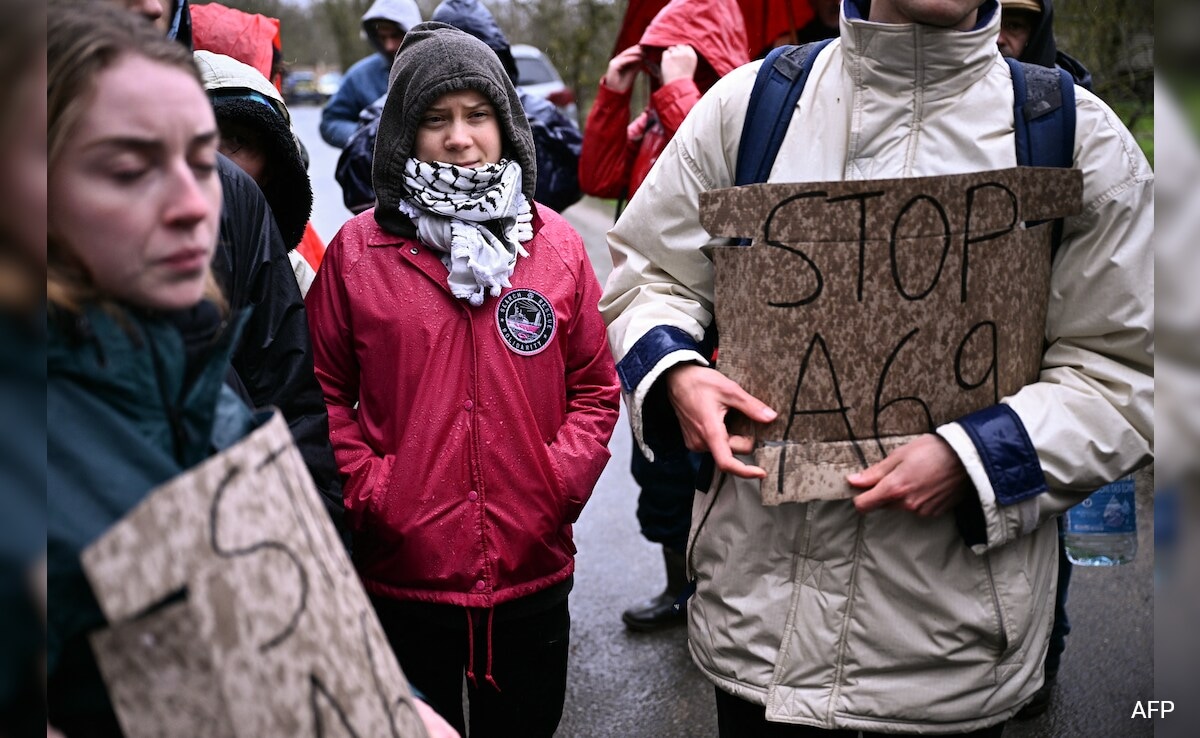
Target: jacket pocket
[
  {"x": 362, "y": 490},
  {"x": 1021, "y": 575},
  {"x": 569, "y": 507},
  {"x": 379, "y": 488},
  {"x": 998, "y": 609}
]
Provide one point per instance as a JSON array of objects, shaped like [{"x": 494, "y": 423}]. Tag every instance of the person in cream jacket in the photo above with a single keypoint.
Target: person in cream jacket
[{"x": 924, "y": 604}]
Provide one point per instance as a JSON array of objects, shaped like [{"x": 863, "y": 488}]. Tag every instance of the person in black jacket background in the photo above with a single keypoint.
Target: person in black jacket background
[
  {"x": 1027, "y": 34},
  {"x": 272, "y": 364},
  {"x": 556, "y": 140}
]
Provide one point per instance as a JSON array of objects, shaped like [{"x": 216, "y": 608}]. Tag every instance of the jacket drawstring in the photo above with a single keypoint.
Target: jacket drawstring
[
  {"x": 487, "y": 673},
  {"x": 487, "y": 676},
  {"x": 471, "y": 649}
]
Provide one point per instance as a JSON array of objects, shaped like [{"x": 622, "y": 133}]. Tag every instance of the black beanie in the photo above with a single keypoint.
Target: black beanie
[{"x": 435, "y": 59}]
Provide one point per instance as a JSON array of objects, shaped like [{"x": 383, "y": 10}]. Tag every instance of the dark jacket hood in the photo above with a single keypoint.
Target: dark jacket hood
[
  {"x": 1041, "y": 48},
  {"x": 241, "y": 94},
  {"x": 1043, "y": 51},
  {"x": 474, "y": 18},
  {"x": 287, "y": 189},
  {"x": 1083, "y": 76},
  {"x": 436, "y": 59}
]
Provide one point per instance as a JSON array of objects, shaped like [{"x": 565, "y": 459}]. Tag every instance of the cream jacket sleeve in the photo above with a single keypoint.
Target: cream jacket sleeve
[
  {"x": 1089, "y": 417},
  {"x": 658, "y": 301}
]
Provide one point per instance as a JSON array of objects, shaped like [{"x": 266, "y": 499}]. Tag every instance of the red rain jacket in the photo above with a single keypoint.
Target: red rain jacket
[{"x": 465, "y": 461}]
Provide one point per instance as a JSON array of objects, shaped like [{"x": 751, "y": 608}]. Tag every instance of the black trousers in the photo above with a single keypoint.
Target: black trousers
[
  {"x": 668, "y": 486},
  {"x": 1062, "y": 624},
  {"x": 523, "y": 691},
  {"x": 737, "y": 718}
]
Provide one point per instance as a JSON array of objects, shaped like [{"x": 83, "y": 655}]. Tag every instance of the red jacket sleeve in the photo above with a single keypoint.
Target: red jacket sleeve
[
  {"x": 673, "y": 102},
  {"x": 610, "y": 144},
  {"x": 329, "y": 320},
  {"x": 580, "y": 448}
]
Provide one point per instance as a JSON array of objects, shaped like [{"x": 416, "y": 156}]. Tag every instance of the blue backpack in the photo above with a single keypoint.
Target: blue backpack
[{"x": 1043, "y": 106}]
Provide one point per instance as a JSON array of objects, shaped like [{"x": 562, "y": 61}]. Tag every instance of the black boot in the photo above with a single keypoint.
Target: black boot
[{"x": 659, "y": 612}]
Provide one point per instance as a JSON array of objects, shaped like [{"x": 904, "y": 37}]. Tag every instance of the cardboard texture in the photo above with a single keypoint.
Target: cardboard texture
[
  {"x": 867, "y": 313},
  {"x": 235, "y": 611}
]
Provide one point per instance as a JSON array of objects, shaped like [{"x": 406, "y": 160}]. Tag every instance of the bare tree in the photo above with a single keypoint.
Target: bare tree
[
  {"x": 1115, "y": 39},
  {"x": 577, "y": 35},
  {"x": 344, "y": 20}
]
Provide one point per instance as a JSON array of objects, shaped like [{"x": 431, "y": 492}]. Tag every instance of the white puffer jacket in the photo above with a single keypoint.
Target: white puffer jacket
[{"x": 890, "y": 622}]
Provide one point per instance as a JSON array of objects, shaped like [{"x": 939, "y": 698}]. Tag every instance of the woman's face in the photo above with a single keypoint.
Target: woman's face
[
  {"x": 134, "y": 193},
  {"x": 459, "y": 128}
]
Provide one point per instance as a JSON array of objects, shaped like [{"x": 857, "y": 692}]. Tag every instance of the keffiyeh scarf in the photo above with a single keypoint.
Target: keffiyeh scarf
[{"x": 477, "y": 219}]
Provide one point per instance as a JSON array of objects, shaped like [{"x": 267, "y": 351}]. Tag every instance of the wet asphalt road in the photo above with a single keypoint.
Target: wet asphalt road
[{"x": 629, "y": 685}]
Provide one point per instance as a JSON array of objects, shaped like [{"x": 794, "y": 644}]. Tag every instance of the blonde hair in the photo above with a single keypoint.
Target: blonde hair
[{"x": 82, "y": 41}]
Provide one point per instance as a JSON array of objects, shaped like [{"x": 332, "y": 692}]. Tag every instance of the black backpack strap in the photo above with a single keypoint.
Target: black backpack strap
[
  {"x": 1044, "y": 121},
  {"x": 780, "y": 81}
]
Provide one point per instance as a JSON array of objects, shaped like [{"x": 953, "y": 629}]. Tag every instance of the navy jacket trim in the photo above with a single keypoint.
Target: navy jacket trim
[
  {"x": 1007, "y": 454},
  {"x": 649, "y": 350}
]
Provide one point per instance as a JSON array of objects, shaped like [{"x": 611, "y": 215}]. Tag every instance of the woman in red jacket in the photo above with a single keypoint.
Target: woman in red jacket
[
  {"x": 470, "y": 387},
  {"x": 686, "y": 47}
]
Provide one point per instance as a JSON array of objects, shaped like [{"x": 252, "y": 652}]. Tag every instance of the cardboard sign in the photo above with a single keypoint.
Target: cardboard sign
[
  {"x": 235, "y": 611},
  {"x": 867, "y": 313}
]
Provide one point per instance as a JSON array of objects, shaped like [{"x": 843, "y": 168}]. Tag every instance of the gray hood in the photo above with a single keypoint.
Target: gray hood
[
  {"x": 434, "y": 60},
  {"x": 403, "y": 13}
]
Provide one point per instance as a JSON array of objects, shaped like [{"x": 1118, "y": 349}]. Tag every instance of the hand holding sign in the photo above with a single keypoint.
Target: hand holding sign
[
  {"x": 701, "y": 398},
  {"x": 923, "y": 476}
]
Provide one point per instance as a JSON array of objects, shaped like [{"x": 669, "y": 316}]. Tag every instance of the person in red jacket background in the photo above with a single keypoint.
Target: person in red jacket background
[{"x": 686, "y": 48}]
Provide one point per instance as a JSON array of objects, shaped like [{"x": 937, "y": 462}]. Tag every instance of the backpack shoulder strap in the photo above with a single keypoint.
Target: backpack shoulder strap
[
  {"x": 1043, "y": 114},
  {"x": 1044, "y": 121},
  {"x": 777, "y": 87}
]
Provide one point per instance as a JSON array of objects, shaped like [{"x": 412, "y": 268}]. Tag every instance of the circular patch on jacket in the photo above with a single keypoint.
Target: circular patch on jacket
[{"x": 526, "y": 321}]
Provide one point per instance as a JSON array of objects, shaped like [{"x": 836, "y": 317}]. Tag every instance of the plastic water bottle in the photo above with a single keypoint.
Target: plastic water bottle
[{"x": 1102, "y": 530}]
